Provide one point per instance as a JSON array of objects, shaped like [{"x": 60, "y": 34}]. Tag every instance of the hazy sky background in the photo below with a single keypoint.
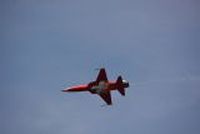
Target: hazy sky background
[{"x": 48, "y": 44}]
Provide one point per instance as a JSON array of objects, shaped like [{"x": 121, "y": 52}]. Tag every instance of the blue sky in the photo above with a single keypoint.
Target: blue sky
[{"x": 45, "y": 45}]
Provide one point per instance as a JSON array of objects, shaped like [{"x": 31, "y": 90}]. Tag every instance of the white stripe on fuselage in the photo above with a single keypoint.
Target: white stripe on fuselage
[{"x": 99, "y": 88}]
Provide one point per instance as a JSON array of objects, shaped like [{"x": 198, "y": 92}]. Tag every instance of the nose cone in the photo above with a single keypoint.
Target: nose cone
[
  {"x": 70, "y": 90},
  {"x": 76, "y": 88},
  {"x": 64, "y": 90}
]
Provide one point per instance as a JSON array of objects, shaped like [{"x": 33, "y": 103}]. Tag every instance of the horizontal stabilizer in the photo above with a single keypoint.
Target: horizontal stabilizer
[{"x": 120, "y": 86}]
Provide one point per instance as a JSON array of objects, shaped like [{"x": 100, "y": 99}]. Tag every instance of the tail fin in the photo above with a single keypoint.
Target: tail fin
[{"x": 120, "y": 86}]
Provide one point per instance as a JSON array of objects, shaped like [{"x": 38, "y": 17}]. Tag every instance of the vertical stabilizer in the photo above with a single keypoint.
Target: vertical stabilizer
[{"x": 120, "y": 86}]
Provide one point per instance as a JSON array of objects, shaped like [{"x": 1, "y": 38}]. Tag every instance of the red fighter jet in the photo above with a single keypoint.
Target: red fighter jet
[{"x": 102, "y": 87}]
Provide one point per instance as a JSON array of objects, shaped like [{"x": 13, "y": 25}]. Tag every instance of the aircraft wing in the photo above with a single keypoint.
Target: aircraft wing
[
  {"x": 106, "y": 96},
  {"x": 102, "y": 76}
]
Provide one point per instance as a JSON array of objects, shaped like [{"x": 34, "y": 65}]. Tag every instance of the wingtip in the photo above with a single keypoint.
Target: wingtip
[{"x": 100, "y": 68}]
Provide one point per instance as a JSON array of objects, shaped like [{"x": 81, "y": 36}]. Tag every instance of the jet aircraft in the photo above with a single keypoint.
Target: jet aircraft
[{"x": 102, "y": 86}]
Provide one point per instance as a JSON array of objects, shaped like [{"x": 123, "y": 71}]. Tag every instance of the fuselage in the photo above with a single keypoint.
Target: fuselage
[
  {"x": 102, "y": 86},
  {"x": 96, "y": 88}
]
